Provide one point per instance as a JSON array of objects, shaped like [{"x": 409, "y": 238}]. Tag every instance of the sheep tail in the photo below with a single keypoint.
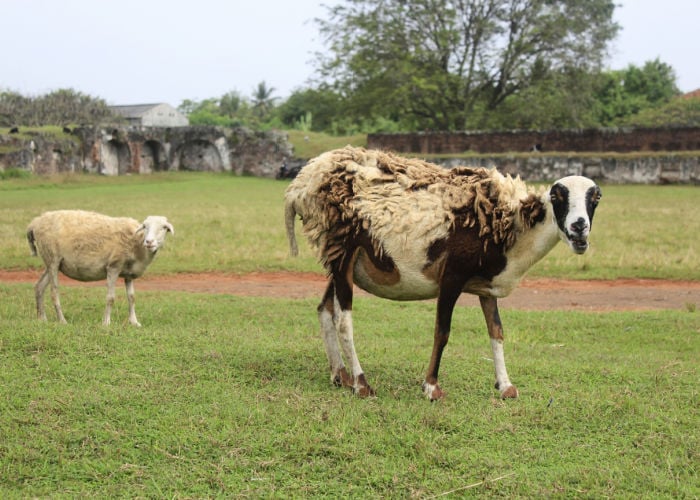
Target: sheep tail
[
  {"x": 289, "y": 217},
  {"x": 32, "y": 242}
]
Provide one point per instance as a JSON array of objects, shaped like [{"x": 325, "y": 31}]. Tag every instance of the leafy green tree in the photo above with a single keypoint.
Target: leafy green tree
[
  {"x": 229, "y": 110},
  {"x": 263, "y": 101},
  {"x": 451, "y": 64},
  {"x": 317, "y": 107},
  {"x": 12, "y": 108},
  {"x": 678, "y": 112},
  {"x": 621, "y": 94},
  {"x": 233, "y": 105},
  {"x": 60, "y": 107}
]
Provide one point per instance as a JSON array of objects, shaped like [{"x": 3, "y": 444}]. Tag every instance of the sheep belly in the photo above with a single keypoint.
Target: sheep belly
[
  {"x": 83, "y": 271},
  {"x": 400, "y": 284}
]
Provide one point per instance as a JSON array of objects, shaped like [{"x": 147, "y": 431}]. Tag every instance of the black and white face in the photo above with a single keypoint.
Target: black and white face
[{"x": 574, "y": 200}]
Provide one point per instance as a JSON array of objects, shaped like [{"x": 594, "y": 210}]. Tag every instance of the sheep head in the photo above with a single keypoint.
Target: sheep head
[
  {"x": 574, "y": 200},
  {"x": 155, "y": 227}
]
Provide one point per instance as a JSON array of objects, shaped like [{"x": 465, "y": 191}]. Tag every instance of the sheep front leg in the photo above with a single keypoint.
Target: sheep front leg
[
  {"x": 443, "y": 321},
  {"x": 112, "y": 275},
  {"x": 39, "y": 290},
  {"x": 489, "y": 306},
  {"x": 132, "y": 302}
]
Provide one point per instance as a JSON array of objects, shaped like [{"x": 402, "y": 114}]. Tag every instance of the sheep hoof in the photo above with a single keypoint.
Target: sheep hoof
[
  {"x": 510, "y": 392},
  {"x": 364, "y": 391},
  {"x": 361, "y": 388},
  {"x": 342, "y": 378},
  {"x": 433, "y": 391}
]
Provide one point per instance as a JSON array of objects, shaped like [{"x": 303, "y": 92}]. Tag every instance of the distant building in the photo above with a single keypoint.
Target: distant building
[{"x": 152, "y": 115}]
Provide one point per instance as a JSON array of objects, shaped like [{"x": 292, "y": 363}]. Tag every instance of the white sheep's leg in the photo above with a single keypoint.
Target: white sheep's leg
[
  {"x": 343, "y": 312},
  {"x": 132, "y": 302},
  {"x": 39, "y": 290},
  {"x": 489, "y": 306},
  {"x": 112, "y": 275},
  {"x": 55, "y": 297},
  {"x": 329, "y": 333}
]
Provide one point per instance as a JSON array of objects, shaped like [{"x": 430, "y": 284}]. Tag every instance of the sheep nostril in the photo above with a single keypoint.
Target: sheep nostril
[{"x": 579, "y": 226}]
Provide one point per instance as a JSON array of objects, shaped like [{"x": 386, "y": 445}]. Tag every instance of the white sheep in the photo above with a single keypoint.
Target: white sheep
[
  {"x": 406, "y": 229},
  {"x": 88, "y": 246}
]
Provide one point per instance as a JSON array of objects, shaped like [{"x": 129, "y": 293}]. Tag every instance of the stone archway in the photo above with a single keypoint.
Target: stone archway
[
  {"x": 200, "y": 156},
  {"x": 116, "y": 157},
  {"x": 153, "y": 157}
]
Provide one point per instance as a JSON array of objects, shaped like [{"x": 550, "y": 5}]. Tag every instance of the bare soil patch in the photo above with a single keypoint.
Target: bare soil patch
[{"x": 533, "y": 294}]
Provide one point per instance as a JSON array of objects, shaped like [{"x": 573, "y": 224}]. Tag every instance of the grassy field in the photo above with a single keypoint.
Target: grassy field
[
  {"x": 235, "y": 224},
  {"x": 311, "y": 144},
  {"x": 230, "y": 396},
  {"x": 224, "y": 396}
]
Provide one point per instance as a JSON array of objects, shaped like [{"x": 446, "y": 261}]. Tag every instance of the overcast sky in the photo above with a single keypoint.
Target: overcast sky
[{"x": 149, "y": 51}]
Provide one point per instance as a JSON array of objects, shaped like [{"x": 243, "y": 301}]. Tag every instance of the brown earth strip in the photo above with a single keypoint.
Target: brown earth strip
[{"x": 535, "y": 294}]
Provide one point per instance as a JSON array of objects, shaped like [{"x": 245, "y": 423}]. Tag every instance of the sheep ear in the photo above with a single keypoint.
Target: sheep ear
[{"x": 170, "y": 227}]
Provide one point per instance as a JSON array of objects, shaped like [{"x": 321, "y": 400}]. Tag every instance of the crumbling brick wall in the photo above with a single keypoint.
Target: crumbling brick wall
[{"x": 583, "y": 140}]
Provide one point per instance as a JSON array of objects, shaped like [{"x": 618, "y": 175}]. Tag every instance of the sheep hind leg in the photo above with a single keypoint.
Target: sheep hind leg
[
  {"x": 39, "y": 290},
  {"x": 329, "y": 333},
  {"x": 489, "y": 306},
  {"x": 343, "y": 314},
  {"x": 52, "y": 277}
]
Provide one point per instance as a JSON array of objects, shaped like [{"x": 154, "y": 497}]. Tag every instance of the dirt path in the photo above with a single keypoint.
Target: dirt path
[{"x": 533, "y": 294}]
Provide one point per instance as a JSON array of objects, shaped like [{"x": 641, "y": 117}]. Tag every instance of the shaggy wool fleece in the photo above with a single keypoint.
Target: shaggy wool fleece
[{"x": 399, "y": 201}]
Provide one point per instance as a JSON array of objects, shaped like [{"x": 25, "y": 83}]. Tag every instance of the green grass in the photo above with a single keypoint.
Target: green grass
[
  {"x": 229, "y": 396},
  {"x": 235, "y": 224},
  {"x": 224, "y": 396},
  {"x": 311, "y": 144}
]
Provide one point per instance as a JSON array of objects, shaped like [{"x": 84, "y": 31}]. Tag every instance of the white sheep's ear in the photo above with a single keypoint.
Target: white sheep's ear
[
  {"x": 141, "y": 228},
  {"x": 170, "y": 227}
]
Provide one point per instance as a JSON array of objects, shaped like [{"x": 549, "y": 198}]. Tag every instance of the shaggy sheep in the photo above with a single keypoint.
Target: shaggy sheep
[
  {"x": 405, "y": 229},
  {"x": 88, "y": 246}
]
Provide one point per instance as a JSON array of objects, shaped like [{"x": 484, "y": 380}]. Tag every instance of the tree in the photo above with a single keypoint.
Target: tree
[
  {"x": 12, "y": 107},
  {"x": 678, "y": 112},
  {"x": 450, "y": 64},
  {"x": 321, "y": 107},
  {"x": 263, "y": 102},
  {"x": 60, "y": 107},
  {"x": 623, "y": 93},
  {"x": 229, "y": 110}
]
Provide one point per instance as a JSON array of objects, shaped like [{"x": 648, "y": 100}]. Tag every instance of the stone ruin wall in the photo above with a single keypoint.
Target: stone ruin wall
[
  {"x": 664, "y": 139},
  {"x": 122, "y": 151},
  {"x": 670, "y": 155}
]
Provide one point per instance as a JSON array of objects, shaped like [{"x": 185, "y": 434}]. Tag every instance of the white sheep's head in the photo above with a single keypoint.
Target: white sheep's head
[
  {"x": 155, "y": 227},
  {"x": 574, "y": 200}
]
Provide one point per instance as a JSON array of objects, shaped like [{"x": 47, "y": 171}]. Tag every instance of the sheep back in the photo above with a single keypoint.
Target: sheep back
[
  {"x": 404, "y": 203},
  {"x": 87, "y": 243}
]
